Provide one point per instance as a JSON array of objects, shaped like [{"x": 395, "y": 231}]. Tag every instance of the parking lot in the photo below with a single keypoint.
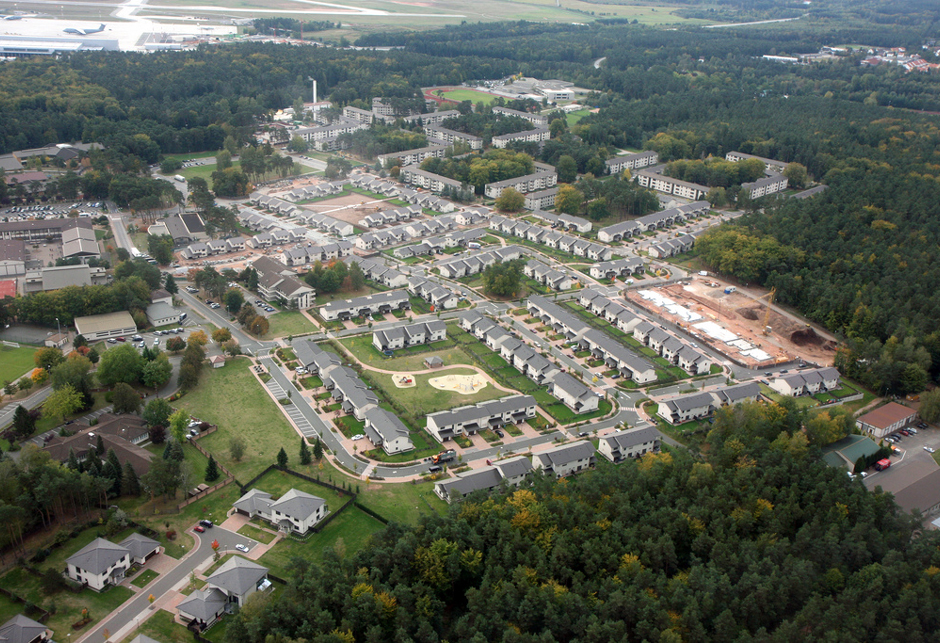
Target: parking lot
[{"x": 912, "y": 462}]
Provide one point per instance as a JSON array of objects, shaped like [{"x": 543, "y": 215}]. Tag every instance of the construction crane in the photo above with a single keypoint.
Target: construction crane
[{"x": 770, "y": 299}]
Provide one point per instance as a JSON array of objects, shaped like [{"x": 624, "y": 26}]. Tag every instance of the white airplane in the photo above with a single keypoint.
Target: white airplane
[{"x": 84, "y": 32}]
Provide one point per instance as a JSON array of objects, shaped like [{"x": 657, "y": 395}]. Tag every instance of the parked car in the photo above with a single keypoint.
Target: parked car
[
  {"x": 929, "y": 449},
  {"x": 358, "y": 436},
  {"x": 199, "y": 528},
  {"x": 499, "y": 433},
  {"x": 112, "y": 341},
  {"x": 242, "y": 548},
  {"x": 206, "y": 523}
]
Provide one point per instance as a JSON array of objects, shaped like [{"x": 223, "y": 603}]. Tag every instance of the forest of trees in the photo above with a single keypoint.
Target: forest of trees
[{"x": 759, "y": 542}]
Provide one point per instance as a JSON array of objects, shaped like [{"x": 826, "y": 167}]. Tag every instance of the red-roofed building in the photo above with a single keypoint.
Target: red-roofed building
[
  {"x": 7, "y": 288},
  {"x": 886, "y": 419}
]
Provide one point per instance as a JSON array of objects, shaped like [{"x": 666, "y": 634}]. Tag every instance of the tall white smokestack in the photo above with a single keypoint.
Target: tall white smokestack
[{"x": 314, "y": 91}]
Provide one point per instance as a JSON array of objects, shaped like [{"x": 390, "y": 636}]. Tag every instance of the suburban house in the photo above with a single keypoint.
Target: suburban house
[
  {"x": 695, "y": 406},
  {"x": 277, "y": 281},
  {"x": 554, "y": 279},
  {"x": 313, "y": 358},
  {"x": 438, "y": 296},
  {"x": 510, "y": 472},
  {"x": 621, "y": 268},
  {"x": 624, "y": 445},
  {"x": 574, "y": 393},
  {"x": 22, "y": 629},
  {"x": 886, "y": 419},
  {"x": 469, "y": 420},
  {"x": 229, "y": 586},
  {"x": 647, "y": 223},
  {"x": 385, "y": 430},
  {"x": 411, "y": 335},
  {"x": 294, "y": 512},
  {"x": 565, "y": 460},
  {"x": 672, "y": 247},
  {"x": 806, "y": 382},
  {"x": 353, "y": 394},
  {"x": 124, "y": 433},
  {"x": 101, "y": 562}
]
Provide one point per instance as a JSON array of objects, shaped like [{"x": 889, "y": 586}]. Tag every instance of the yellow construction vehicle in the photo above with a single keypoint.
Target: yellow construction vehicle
[{"x": 769, "y": 300}]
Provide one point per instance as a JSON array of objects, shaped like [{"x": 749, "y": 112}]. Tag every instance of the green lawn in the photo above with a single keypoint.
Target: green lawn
[
  {"x": 144, "y": 577},
  {"x": 574, "y": 117},
  {"x": 278, "y": 483},
  {"x": 290, "y": 322},
  {"x": 424, "y": 398},
  {"x": 254, "y": 533},
  {"x": 68, "y": 606},
  {"x": 361, "y": 346},
  {"x": 205, "y": 171},
  {"x": 15, "y": 362},
  {"x": 233, "y": 399},
  {"x": 9, "y": 608},
  {"x": 460, "y": 95},
  {"x": 161, "y": 627}
]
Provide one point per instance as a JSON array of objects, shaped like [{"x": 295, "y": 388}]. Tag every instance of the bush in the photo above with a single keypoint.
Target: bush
[{"x": 171, "y": 534}]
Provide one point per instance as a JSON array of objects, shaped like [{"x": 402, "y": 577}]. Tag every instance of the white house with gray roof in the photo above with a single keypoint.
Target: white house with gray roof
[
  {"x": 385, "y": 430},
  {"x": 624, "y": 445},
  {"x": 22, "y": 629},
  {"x": 565, "y": 460},
  {"x": 699, "y": 405},
  {"x": 574, "y": 393},
  {"x": 509, "y": 472},
  {"x": 411, "y": 335},
  {"x": 229, "y": 586},
  {"x": 98, "y": 564},
  {"x": 806, "y": 382},
  {"x": 469, "y": 420},
  {"x": 294, "y": 512}
]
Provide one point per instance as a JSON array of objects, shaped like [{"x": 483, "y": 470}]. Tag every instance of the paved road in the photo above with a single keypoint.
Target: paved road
[
  {"x": 139, "y": 605},
  {"x": 31, "y": 402},
  {"x": 120, "y": 232}
]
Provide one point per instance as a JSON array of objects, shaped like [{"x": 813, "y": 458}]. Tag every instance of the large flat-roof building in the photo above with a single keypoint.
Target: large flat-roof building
[
  {"x": 105, "y": 326},
  {"x": 886, "y": 419}
]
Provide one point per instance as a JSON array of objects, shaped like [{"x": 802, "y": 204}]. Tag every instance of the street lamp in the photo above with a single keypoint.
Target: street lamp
[{"x": 58, "y": 329}]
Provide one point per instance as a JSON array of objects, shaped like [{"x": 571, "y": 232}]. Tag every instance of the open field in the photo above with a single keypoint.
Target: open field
[
  {"x": 289, "y": 322},
  {"x": 361, "y": 346},
  {"x": 473, "y": 95},
  {"x": 574, "y": 117},
  {"x": 205, "y": 171},
  {"x": 15, "y": 362},
  {"x": 423, "y": 398},
  {"x": 162, "y": 627}
]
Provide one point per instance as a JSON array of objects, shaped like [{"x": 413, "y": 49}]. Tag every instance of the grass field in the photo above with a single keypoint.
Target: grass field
[
  {"x": 289, "y": 322},
  {"x": 205, "y": 171},
  {"x": 233, "y": 399},
  {"x": 15, "y": 362},
  {"x": 574, "y": 117},
  {"x": 361, "y": 346},
  {"x": 424, "y": 398},
  {"x": 461, "y": 95},
  {"x": 162, "y": 627}
]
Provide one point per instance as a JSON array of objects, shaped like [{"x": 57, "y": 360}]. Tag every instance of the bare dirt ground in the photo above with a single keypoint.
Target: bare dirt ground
[
  {"x": 790, "y": 337},
  {"x": 350, "y": 207}
]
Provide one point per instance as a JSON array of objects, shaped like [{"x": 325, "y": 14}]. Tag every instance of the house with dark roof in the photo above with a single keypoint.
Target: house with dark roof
[
  {"x": 510, "y": 472},
  {"x": 624, "y": 445},
  {"x": 846, "y": 452},
  {"x": 807, "y": 382},
  {"x": 203, "y": 607},
  {"x": 699, "y": 405},
  {"x": 565, "y": 460},
  {"x": 239, "y": 577},
  {"x": 98, "y": 564},
  {"x": 410, "y": 335},
  {"x": 575, "y": 394},
  {"x": 294, "y": 512},
  {"x": 140, "y": 548},
  {"x": 277, "y": 281},
  {"x": 469, "y": 420},
  {"x": 385, "y": 430},
  {"x": 22, "y": 629}
]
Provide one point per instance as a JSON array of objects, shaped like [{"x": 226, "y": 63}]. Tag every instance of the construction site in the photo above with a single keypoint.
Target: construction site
[{"x": 748, "y": 330}]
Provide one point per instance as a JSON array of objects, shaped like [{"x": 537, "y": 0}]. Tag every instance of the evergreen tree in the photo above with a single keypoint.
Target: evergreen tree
[
  {"x": 318, "y": 449},
  {"x": 212, "y": 470},
  {"x": 99, "y": 447},
  {"x": 23, "y": 423},
  {"x": 130, "y": 484},
  {"x": 73, "y": 461},
  {"x": 304, "y": 452},
  {"x": 170, "y": 284},
  {"x": 173, "y": 451},
  {"x": 282, "y": 458},
  {"x": 115, "y": 463}
]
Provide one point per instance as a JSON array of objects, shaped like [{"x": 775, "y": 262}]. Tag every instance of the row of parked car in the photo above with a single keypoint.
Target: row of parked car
[{"x": 899, "y": 436}]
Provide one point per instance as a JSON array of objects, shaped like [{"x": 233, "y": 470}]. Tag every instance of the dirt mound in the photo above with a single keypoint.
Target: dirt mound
[
  {"x": 748, "y": 313},
  {"x": 806, "y": 337}
]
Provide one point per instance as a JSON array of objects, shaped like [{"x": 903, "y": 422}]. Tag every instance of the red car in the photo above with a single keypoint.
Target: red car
[
  {"x": 199, "y": 528},
  {"x": 121, "y": 339}
]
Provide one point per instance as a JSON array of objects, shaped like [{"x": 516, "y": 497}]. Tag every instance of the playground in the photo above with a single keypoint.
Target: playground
[
  {"x": 465, "y": 384},
  {"x": 404, "y": 381}
]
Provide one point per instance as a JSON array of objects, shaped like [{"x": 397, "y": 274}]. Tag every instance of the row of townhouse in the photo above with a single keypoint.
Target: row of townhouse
[
  {"x": 627, "y": 445},
  {"x": 470, "y": 420},
  {"x": 329, "y": 133},
  {"x": 414, "y": 175},
  {"x": 602, "y": 346},
  {"x": 277, "y": 237},
  {"x": 551, "y": 238},
  {"x": 622, "y": 268},
  {"x": 426, "y": 200},
  {"x": 305, "y": 255},
  {"x": 450, "y": 136},
  {"x": 671, "y": 348},
  {"x": 273, "y": 204},
  {"x": 410, "y": 335},
  {"x": 808, "y": 382},
  {"x": 326, "y": 223},
  {"x": 564, "y": 221},
  {"x": 668, "y": 346},
  {"x": 436, "y": 245},
  {"x": 541, "y": 199},
  {"x": 651, "y": 222},
  {"x": 317, "y": 191},
  {"x": 635, "y": 161},
  {"x": 406, "y": 232},
  {"x": 277, "y": 281},
  {"x": 415, "y": 156},
  {"x": 771, "y": 165},
  {"x": 392, "y": 215},
  {"x": 378, "y": 303},
  {"x": 672, "y": 247},
  {"x": 700, "y": 405},
  {"x": 213, "y": 247},
  {"x": 537, "y": 135},
  {"x": 569, "y": 390},
  {"x": 378, "y": 272},
  {"x": 654, "y": 179},
  {"x": 544, "y": 177},
  {"x": 547, "y": 276},
  {"x": 372, "y": 183},
  {"x": 536, "y": 119},
  {"x": 464, "y": 267},
  {"x": 437, "y": 295},
  {"x": 765, "y": 186}
]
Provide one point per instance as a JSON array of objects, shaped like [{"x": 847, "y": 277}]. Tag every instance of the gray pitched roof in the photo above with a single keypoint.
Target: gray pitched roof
[
  {"x": 627, "y": 439},
  {"x": 254, "y": 501},
  {"x": 385, "y": 424},
  {"x": 97, "y": 556},
  {"x": 297, "y": 504},
  {"x": 238, "y": 575},
  {"x": 21, "y": 629},
  {"x": 513, "y": 467},
  {"x": 204, "y": 604},
  {"x": 139, "y": 546},
  {"x": 562, "y": 455}
]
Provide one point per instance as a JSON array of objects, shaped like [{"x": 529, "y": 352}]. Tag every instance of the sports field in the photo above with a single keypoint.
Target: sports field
[
  {"x": 15, "y": 362},
  {"x": 461, "y": 95}
]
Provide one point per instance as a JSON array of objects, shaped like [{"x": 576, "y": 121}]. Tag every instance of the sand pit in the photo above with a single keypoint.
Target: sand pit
[
  {"x": 404, "y": 381},
  {"x": 466, "y": 384}
]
